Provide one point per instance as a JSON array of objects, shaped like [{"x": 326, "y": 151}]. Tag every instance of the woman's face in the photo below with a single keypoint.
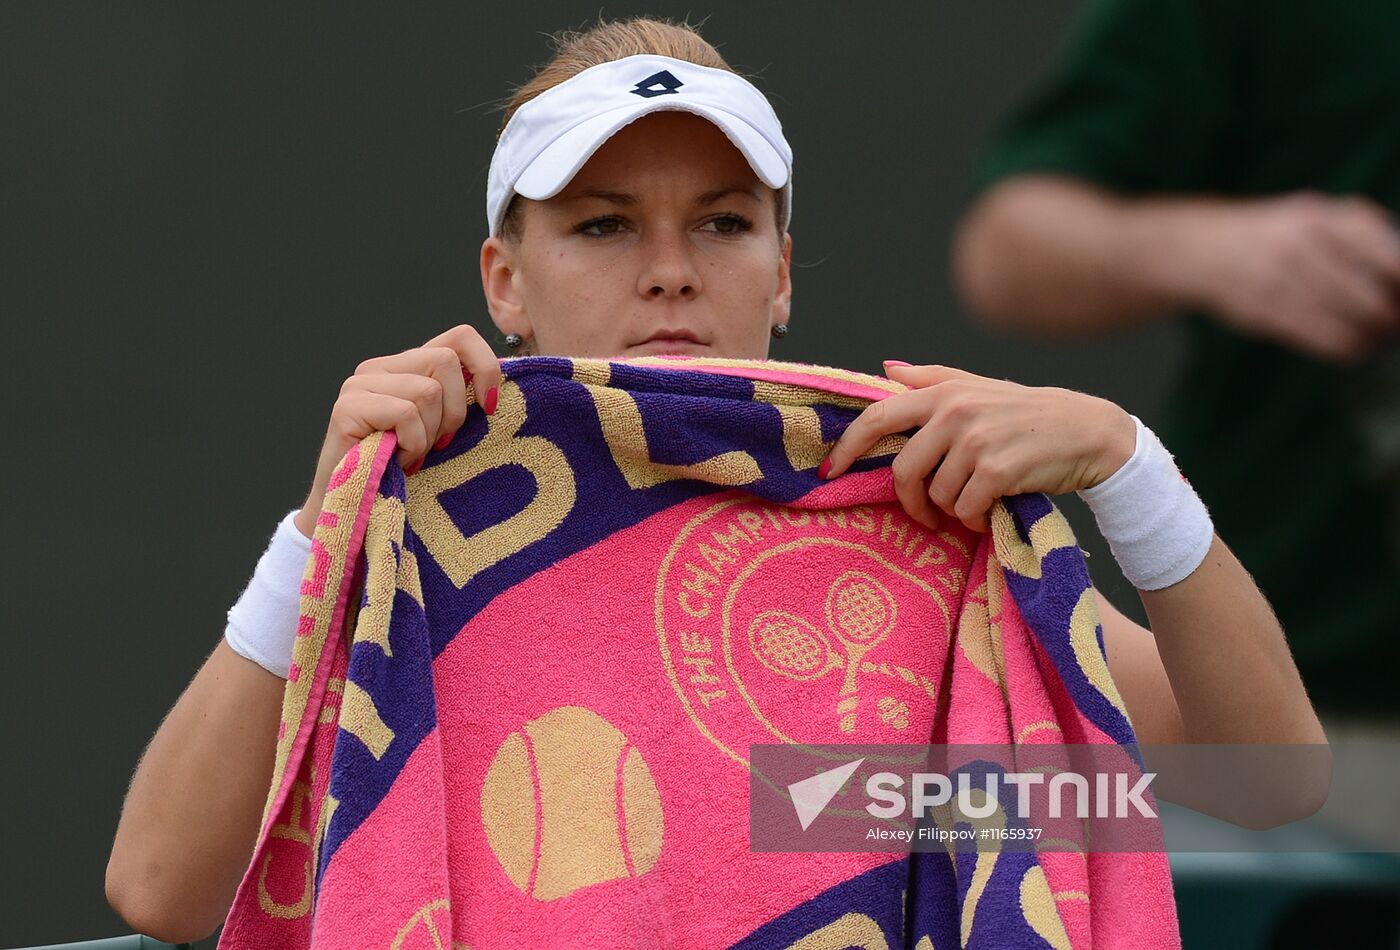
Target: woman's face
[{"x": 666, "y": 232}]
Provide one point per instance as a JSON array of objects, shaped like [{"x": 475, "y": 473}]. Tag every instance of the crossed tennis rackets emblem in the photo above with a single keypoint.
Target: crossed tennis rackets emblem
[{"x": 860, "y": 612}]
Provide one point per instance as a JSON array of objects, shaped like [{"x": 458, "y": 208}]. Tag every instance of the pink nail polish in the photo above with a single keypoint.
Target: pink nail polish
[
  {"x": 824, "y": 468},
  {"x": 491, "y": 397},
  {"x": 445, "y": 441},
  {"x": 897, "y": 363},
  {"x": 413, "y": 469}
]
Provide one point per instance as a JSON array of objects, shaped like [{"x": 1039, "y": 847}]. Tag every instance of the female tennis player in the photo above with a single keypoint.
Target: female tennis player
[{"x": 638, "y": 204}]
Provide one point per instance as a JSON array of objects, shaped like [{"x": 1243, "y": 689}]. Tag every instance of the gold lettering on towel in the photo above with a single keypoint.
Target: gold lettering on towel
[
  {"x": 462, "y": 558},
  {"x": 360, "y": 718},
  {"x": 425, "y": 920},
  {"x": 296, "y": 831},
  {"x": 802, "y": 436},
  {"x": 328, "y": 806},
  {"x": 785, "y": 624},
  {"x": 1038, "y": 907},
  {"x": 850, "y": 931},
  {"x": 384, "y": 575},
  {"x": 625, "y": 432}
]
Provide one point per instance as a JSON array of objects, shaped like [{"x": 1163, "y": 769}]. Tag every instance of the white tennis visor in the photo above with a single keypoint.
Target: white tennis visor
[{"x": 552, "y": 136}]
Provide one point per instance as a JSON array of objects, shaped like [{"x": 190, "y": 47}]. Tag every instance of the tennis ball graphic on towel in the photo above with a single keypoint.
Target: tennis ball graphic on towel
[{"x": 567, "y": 802}]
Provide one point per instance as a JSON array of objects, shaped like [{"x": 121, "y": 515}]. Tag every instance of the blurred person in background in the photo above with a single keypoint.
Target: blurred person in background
[{"x": 1239, "y": 166}]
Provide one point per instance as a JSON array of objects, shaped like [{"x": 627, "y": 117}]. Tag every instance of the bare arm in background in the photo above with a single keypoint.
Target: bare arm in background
[
  {"x": 1059, "y": 257},
  {"x": 190, "y": 820}
]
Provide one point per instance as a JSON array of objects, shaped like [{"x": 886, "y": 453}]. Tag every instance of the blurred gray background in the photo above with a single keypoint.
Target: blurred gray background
[{"x": 211, "y": 214}]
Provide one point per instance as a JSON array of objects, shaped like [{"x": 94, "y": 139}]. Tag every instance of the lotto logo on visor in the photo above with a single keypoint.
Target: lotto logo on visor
[{"x": 647, "y": 88}]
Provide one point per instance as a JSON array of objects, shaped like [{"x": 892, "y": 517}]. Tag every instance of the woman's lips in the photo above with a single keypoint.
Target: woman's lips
[{"x": 670, "y": 345}]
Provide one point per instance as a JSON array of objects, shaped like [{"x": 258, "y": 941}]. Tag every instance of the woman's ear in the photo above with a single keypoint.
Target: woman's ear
[
  {"x": 782, "y": 300},
  {"x": 499, "y": 263}
]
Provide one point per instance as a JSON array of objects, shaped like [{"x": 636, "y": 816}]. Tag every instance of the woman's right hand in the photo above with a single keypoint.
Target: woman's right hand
[{"x": 421, "y": 394}]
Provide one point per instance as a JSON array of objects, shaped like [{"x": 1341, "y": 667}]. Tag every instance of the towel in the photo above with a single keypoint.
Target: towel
[{"x": 527, "y": 680}]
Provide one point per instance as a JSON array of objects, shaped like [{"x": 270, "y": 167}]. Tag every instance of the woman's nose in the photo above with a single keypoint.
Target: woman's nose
[{"x": 670, "y": 269}]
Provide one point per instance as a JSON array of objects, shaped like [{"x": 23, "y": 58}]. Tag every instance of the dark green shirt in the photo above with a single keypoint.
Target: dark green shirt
[{"x": 1247, "y": 98}]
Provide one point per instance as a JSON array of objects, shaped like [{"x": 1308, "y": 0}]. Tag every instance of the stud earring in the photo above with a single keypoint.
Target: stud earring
[
  {"x": 780, "y": 330},
  {"x": 513, "y": 340}
]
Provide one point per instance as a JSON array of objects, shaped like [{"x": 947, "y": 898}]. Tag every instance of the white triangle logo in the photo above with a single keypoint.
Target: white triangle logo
[{"x": 811, "y": 795}]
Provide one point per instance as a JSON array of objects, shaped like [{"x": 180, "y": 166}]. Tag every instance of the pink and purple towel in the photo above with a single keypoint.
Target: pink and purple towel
[{"x": 527, "y": 680}]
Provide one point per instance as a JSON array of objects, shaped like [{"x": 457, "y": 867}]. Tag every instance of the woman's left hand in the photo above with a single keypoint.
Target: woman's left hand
[{"x": 985, "y": 438}]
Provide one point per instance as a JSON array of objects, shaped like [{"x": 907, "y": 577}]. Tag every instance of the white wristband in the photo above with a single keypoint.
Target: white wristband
[
  {"x": 262, "y": 626},
  {"x": 1153, "y": 520}
]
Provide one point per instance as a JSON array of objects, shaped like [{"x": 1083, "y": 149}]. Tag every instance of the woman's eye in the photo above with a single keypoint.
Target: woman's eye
[
  {"x": 729, "y": 224},
  {"x": 600, "y": 226}
]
